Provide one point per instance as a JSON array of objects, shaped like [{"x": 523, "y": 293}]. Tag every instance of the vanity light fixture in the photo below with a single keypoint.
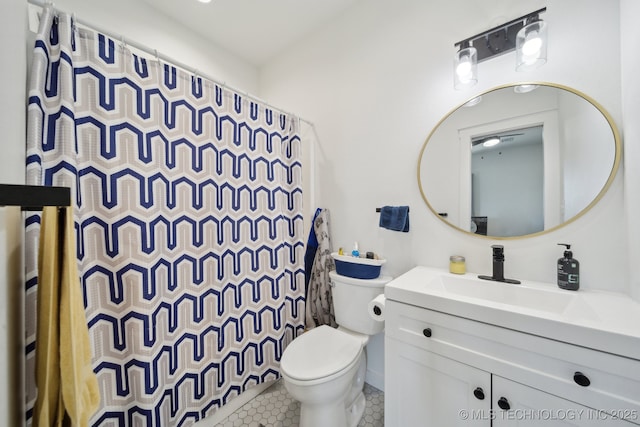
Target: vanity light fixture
[
  {"x": 525, "y": 88},
  {"x": 465, "y": 71},
  {"x": 473, "y": 101},
  {"x": 527, "y": 35}
]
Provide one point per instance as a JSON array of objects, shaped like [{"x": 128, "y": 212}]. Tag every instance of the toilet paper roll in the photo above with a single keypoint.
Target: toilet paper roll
[{"x": 376, "y": 308}]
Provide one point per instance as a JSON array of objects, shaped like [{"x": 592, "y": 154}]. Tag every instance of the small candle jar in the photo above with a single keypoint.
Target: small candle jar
[{"x": 457, "y": 265}]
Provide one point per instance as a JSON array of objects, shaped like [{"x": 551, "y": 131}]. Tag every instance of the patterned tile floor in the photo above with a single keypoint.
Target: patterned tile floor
[{"x": 275, "y": 408}]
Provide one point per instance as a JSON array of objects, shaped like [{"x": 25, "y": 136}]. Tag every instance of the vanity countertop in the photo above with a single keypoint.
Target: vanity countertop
[{"x": 604, "y": 321}]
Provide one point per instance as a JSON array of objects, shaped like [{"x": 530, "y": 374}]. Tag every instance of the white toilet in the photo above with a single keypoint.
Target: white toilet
[{"x": 324, "y": 368}]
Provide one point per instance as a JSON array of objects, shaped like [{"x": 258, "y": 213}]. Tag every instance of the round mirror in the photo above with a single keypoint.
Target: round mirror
[{"x": 519, "y": 160}]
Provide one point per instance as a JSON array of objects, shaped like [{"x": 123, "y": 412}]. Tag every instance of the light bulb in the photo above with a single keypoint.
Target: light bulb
[
  {"x": 464, "y": 67},
  {"x": 532, "y": 44}
]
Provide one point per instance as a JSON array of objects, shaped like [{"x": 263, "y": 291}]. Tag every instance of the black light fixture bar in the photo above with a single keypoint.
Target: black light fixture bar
[
  {"x": 34, "y": 197},
  {"x": 498, "y": 40}
]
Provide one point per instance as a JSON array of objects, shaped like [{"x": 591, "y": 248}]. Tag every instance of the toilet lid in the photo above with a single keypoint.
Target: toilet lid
[{"x": 321, "y": 352}]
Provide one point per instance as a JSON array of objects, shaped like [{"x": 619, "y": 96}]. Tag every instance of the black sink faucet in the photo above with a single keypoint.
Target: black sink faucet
[
  {"x": 498, "y": 266},
  {"x": 498, "y": 262}
]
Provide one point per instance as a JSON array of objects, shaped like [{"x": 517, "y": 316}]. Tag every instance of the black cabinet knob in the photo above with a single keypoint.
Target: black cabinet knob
[
  {"x": 479, "y": 393},
  {"x": 581, "y": 379},
  {"x": 503, "y": 403},
  {"x": 427, "y": 332},
  {"x": 377, "y": 311}
]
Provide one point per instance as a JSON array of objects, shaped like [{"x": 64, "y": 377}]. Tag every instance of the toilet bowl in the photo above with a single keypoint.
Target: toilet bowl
[
  {"x": 318, "y": 370},
  {"x": 324, "y": 368}
]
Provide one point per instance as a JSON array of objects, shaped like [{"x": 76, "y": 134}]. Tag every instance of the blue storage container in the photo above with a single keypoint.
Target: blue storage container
[{"x": 358, "y": 268}]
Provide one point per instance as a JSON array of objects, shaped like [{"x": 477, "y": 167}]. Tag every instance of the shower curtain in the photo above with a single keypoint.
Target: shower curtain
[{"x": 188, "y": 222}]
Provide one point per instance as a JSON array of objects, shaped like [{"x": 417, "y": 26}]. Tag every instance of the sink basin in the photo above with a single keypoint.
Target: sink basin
[
  {"x": 523, "y": 296},
  {"x": 589, "y": 318}
]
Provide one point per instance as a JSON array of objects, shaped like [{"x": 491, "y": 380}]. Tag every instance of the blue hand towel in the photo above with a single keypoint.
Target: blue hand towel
[{"x": 395, "y": 218}]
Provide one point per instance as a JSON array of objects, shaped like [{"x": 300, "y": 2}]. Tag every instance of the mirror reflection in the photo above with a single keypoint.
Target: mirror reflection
[{"x": 519, "y": 160}]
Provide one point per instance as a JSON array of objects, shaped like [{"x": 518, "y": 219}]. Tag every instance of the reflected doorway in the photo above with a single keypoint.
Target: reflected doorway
[{"x": 507, "y": 182}]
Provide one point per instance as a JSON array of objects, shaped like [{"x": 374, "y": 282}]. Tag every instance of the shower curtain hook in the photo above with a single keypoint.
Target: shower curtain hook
[
  {"x": 155, "y": 51},
  {"x": 123, "y": 43}
]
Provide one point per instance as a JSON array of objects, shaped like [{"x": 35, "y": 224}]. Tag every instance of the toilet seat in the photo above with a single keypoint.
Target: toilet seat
[{"x": 319, "y": 353}]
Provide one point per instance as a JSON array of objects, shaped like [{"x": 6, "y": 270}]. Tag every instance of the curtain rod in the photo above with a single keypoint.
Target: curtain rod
[{"x": 159, "y": 56}]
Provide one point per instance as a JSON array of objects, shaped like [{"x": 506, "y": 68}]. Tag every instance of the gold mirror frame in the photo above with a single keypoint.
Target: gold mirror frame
[{"x": 605, "y": 188}]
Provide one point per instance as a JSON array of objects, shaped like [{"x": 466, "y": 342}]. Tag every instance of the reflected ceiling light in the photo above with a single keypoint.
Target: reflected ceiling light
[
  {"x": 204, "y": 1},
  {"x": 473, "y": 101},
  {"x": 524, "y": 88},
  {"x": 527, "y": 35},
  {"x": 491, "y": 142},
  {"x": 465, "y": 67},
  {"x": 531, "y": 44}
]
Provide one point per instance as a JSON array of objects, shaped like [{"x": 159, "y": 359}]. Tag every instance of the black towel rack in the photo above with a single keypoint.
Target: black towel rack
[
  {"x": 380, "y": 209},
  {"x": 34, "y": 197}
]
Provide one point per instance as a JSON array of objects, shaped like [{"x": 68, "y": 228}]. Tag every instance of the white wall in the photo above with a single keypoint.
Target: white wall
[
  {"x": 630, "y": 41},
  {"x": 517, "y": 173},
  {"x": 133, "y": 20},
  {"x": 136, "y": 21},
  {"x": 377, "y": 80}
]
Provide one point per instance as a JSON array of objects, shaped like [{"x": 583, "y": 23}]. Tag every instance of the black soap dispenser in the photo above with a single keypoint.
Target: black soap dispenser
[{"x": 568, "y": 270}]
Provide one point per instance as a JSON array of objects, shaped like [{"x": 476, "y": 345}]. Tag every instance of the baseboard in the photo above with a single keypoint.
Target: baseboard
[{"x": 374, "y": 379}]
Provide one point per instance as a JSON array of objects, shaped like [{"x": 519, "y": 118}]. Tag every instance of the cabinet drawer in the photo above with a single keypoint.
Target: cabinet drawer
[
  {"x": 545, "y": 364},
  {"x": 517, "y": 404}
]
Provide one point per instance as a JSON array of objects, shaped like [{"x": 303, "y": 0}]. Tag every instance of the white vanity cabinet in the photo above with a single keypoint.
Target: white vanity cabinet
[
  {"x": 448, "y": 370},
  {"x": 428, "y": 389}
]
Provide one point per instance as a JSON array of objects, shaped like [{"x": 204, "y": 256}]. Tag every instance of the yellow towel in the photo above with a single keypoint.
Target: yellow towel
[{"x": 64, "y": 377}]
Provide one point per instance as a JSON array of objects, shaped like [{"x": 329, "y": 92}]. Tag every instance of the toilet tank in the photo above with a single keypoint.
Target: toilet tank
[{"x": 351, "y": 298}]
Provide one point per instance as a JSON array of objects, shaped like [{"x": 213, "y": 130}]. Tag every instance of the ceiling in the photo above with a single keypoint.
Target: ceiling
[{"x": 254, "y": 30}]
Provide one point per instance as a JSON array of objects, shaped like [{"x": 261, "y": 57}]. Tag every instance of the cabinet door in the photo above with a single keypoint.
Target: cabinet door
[
  {"x": 515, "y": 404},
  {"x": 423, "y": 389}
]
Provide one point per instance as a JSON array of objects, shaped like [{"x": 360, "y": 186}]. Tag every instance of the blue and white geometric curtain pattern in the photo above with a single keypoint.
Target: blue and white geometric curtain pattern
[{"x": 188, "y": 220}]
